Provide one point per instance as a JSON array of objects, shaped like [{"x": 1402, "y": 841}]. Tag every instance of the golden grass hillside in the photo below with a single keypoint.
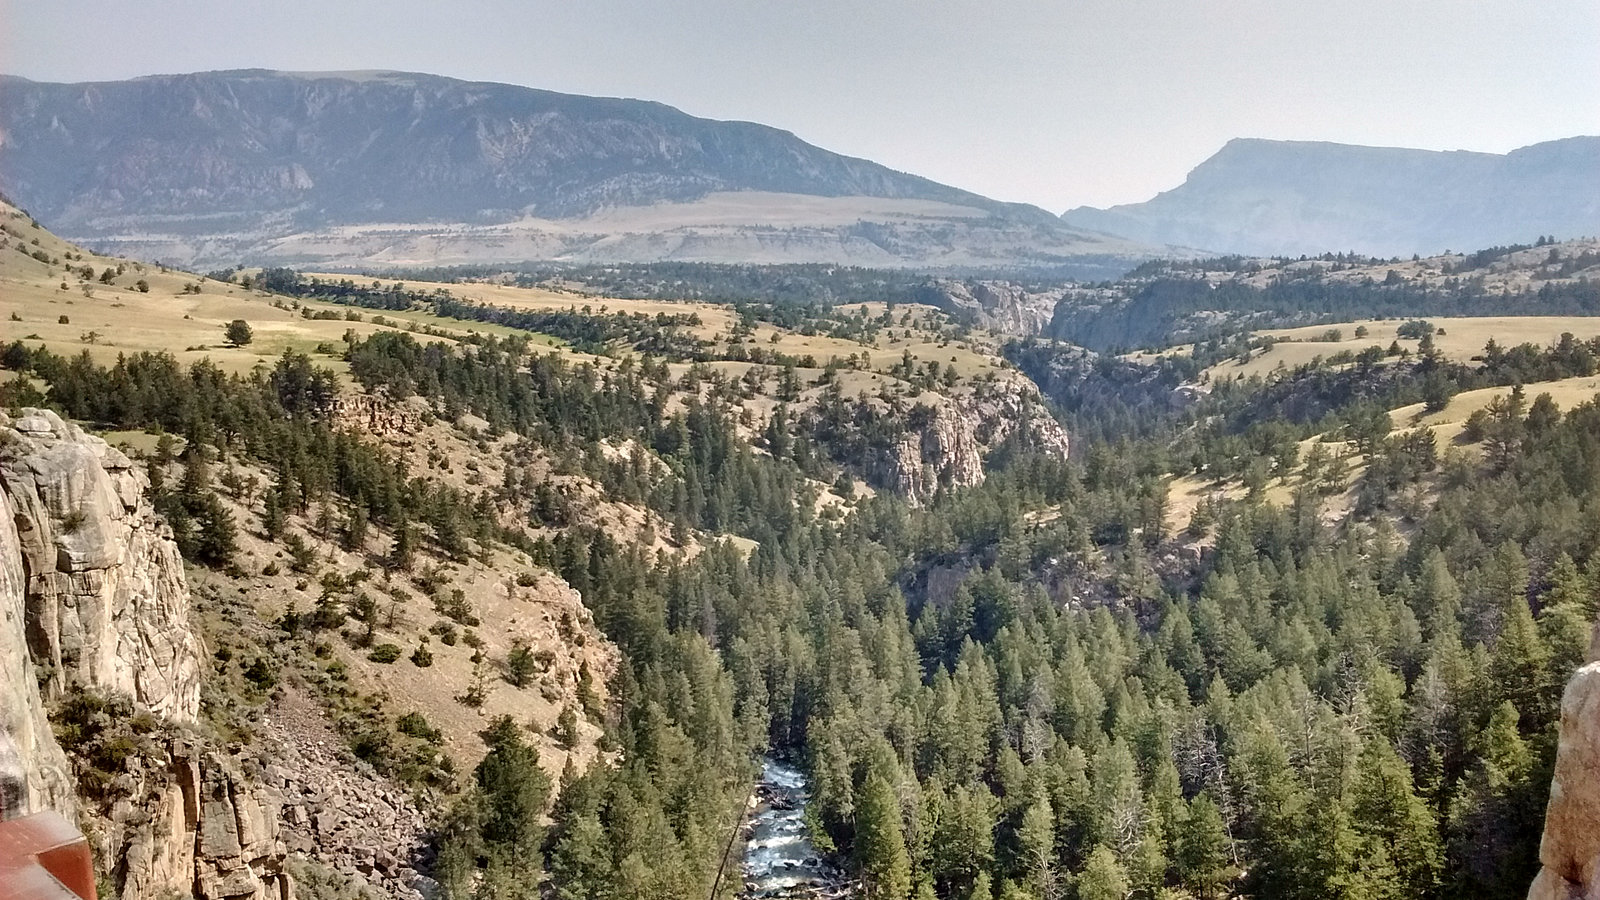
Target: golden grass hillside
[
  {"x": 918, "y": 329},
  {"x": 1461, "y": 340},
  {"x": 68, "y": 303},
  {"x": 1447, "y": 425},
  {"x": 1514, "y": 271}
]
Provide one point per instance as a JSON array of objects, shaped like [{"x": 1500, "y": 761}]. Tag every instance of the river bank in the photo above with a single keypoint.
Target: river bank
[{"x": 779, "y": 860}]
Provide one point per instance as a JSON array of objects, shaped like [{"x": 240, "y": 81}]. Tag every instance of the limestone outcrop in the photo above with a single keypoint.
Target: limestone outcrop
[
  {"x": 106, "y": 601},
  {"x": 1001, "y": 306},
  {"x": 34, "y": 774},
  {"x": 949, "y": 449},
  {"x": 93, "y": 596},
  {"x": 192, "y": 824},
  {"x": 376, "y": 414},
  {"x": 1570, "y": 849}
]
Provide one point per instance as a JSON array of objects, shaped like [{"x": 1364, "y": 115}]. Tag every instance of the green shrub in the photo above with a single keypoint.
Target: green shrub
[
  {"x": 261, "y": 674},
  {"x": 416, "y": 725},
  {"x": 384, "y": 653},
  {"x": 520, "y": 664},
  {"x": 422, "y": 657}
]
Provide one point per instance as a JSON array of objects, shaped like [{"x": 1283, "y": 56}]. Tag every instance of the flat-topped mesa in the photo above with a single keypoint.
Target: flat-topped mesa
[
  {"x": 107, "y": 605},
  {"x": 1570, "y": 849}
]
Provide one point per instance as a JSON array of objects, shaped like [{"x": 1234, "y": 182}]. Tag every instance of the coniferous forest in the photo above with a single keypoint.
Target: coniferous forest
[
  {"x": 704, "y": 450},
  {"x": 1031, "y": 688}
]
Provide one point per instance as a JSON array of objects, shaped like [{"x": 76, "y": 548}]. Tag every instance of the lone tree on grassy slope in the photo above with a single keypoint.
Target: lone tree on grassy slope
[{"x": 238, "y": 333}]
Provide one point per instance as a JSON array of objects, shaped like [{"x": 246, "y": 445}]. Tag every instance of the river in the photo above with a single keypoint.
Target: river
[{"x": 779, "y": 858}]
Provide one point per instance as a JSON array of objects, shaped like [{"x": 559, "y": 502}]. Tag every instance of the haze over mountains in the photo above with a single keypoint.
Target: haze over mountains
[
  {"x": 385, "y": 167},
  {"x": 1302, "y": 197}
]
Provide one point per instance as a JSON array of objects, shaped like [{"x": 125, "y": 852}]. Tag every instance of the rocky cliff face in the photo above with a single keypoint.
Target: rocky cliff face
[
  {"x": 1570, "y": 849},
  {"x": 1000, "y": 306},
  {"x": 93, "y": 596},
  {"x": 33, "y": 771},
  {"x": 107, "y": 605},
  {"x": 950, "y": 449},
  {"x": 191, "y": 824},
  {"x": 376, "y": 415}
]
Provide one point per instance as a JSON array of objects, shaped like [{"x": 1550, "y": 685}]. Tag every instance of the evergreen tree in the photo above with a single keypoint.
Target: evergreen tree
[
  {"x": 880, "y": 845},
  {"x": 1204, "y": 854},
  {"x": 514, "y": 790},
  {"x": 1398, "y": 848},
  {"x": 1519, "y": 665},
  {"x": 1501, "y": 799},
  {"x": 1037, "y": 849},
  {"x": 1102, "y": 877}
]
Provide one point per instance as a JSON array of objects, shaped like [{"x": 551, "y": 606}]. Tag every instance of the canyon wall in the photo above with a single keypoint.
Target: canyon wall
[
  {"x": 93, "y": 597},
  {"x": 950, "y": 449},
  {"x": 1570, "y": 849}
]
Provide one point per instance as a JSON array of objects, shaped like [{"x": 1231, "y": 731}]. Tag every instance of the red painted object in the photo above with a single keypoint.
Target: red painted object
[{"x": 43, "y": 857}]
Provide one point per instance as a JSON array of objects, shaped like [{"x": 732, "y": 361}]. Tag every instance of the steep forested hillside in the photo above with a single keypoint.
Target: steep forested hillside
[{"x": 1007, "y": 671}]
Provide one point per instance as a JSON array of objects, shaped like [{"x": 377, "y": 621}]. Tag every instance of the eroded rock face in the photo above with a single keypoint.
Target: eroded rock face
[
  {"x": 998, "y": 305},
  {"x": 105, "y": 597},
  {"x": 34, "y": 774},
  {"x": 950, "y": 448},
  {"x": 93, "y": 595},
  {"x": 376, "y": 414},
  {"x": 194, "y": 825},
  {"x": 1570, "y": 849}
]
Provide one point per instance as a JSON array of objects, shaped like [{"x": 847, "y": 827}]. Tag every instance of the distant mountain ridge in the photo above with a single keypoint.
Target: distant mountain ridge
[
  {"x": 1304, "y": 197},
  {"x": 218, "y": 163}
]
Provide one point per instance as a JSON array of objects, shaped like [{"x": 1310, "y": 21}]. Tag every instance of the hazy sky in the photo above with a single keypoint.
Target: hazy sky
[{"x": 1055, "y": 103}]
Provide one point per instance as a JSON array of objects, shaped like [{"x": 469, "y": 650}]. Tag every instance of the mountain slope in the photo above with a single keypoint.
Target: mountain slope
[
  {"x": 217, "y": 165},
  {"x": 1294, "y": 197}
]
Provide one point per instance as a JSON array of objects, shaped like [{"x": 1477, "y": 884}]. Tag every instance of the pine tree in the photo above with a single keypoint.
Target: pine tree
[
  {"x": 1102, "y": 877},
  {"x": 1204, "y": 852},
  {"x": 216, "y": 537},
  {"x": 1519, "y": 666},
  {"x": 355, "y": 528},
  {"x": 1438, "y": 598},
  {"x": 273, "y": 517},
  {"x": 520, "y": 663},
  {"x": 1500, "y": 801},
  {"x": 514, "y": 790},
  {"x": 580, "y": 861},
  {"x": 460, "y": 842},
  {"x": 1398, "y": 846},
  {"x": 880, "y": 844},
  {"x": 403, "y": 549},
  {"x": 1036, "y": 844},
  {"x": 963, "y": 834}
]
